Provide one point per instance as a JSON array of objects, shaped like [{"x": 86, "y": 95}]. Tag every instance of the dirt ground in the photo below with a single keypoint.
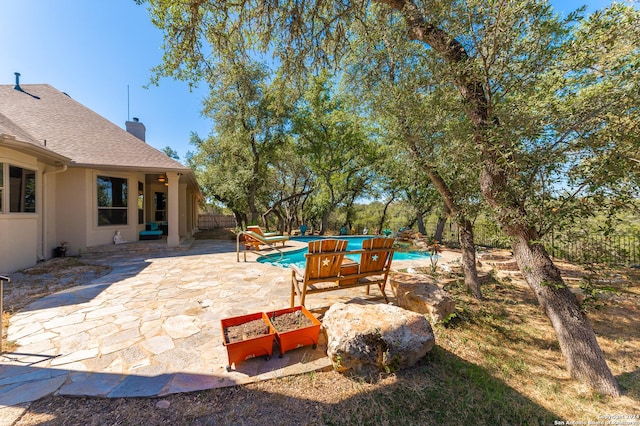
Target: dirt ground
[{"x": 504, "y": 339}]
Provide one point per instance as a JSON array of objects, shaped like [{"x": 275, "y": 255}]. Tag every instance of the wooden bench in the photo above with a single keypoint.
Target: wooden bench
[{"x": 329, "y": 267}]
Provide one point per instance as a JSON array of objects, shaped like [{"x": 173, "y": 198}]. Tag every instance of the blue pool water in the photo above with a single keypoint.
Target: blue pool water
[{"x": 297, "y": 258}]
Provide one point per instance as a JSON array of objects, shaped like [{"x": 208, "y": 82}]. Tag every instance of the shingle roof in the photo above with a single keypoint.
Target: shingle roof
[
  {"x": 42, "y": 113},
  {"x": 13, "y": 135},
  {"x": 10, "y": 128}
]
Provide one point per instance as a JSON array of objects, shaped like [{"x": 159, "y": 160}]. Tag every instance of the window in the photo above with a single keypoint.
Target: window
[
  {"x": 112, "y": 201},
  {"x": 140, "y": 203},
  {"x": 161, "y": 207},
  {"x": 22, "y": 190}
]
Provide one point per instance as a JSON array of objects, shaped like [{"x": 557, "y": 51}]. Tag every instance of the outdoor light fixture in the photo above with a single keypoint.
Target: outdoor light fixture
[{"x": 162, "y": 179}]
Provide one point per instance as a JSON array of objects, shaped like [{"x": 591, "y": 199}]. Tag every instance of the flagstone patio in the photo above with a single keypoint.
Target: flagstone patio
[{"x": 151, "y": 327}]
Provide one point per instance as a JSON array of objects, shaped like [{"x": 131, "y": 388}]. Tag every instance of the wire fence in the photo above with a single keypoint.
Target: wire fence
[
  {"x": 611, "y": 249},
  {"x": 579, "y": 247}
]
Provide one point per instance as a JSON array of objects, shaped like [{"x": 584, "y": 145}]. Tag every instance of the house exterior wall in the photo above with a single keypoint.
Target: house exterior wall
[
  {"x": 48, "y": 233},
  {"x": 66, "y": 210},
  {"x": 19, "y": 236},
  {"x": 70, "y": 210},
  {"x": 184, "y": 224},
  {"x": 19, "y": 247},
  {"x": 77, "y": 209},
  {"x": 191, "y": 212}
]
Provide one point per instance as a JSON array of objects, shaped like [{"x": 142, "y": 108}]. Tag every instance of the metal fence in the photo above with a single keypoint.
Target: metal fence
[
  {"x": 612, "y": 249},
  {"x": 574, "y": 247}
]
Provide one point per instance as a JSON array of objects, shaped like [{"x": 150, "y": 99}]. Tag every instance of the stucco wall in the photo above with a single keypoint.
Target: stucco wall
[
  {"x": 19, "y": 241},
  {"x": 71, "y": 211},
  {"x": 19, "y": 245}
]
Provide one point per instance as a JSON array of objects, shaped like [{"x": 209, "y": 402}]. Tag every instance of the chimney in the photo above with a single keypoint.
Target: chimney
[
  {"x": 136, "y": 128},
  {"x": 17, "y": 86}
]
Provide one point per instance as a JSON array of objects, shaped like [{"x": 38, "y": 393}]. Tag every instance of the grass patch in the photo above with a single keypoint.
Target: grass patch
[{"x": 442, "y": 389}]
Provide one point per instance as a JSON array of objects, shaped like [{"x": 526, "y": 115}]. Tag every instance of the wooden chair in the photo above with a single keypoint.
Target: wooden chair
[
  {"x": 327, "y": 268},
  {"x": 375, "y": 262},
  {"x": 323, "y": 264}
]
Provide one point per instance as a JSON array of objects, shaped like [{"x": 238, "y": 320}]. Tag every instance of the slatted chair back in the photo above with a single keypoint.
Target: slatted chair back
[
  {"x": 255, "y": 229},
  {"x": 258, "y": 230},
  {"x": 377, "y": 260},
  {"x": 318, "y": 267}
]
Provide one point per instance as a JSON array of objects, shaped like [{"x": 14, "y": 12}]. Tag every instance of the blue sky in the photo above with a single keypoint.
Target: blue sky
[{"x": 95, "y": 49}]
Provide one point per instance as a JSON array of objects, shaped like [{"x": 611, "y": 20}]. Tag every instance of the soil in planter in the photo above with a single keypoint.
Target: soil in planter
[
  {"x": 290, "y": 321},
  {"x": 245, "y": 331}
]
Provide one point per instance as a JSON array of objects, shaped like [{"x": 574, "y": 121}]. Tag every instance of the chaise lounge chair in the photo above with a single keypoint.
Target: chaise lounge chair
[
  {"x": 253, "y": 241},
  {"x": 258, "y": 230}
]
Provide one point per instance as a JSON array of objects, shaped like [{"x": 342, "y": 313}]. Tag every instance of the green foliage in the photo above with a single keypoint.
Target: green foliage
[
  {"x": 171, "y": 153},
  {"x": 334, "y": 145},
  {"x": 234, "y": 163},
  {"x": 561, "y": 95}
]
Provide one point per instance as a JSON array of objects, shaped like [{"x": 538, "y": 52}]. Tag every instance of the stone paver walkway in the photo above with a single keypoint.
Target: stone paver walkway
[{"x": 151, "y": 327}]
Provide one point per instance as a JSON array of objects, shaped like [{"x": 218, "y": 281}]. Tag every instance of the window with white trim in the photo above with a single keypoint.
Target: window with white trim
[
  {"x": 21, "y": 190},
  {"x": 112, "y": 201}
]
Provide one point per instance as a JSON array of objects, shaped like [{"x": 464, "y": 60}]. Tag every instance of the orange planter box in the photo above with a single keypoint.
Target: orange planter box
[
  {"x": 252, "y": 347},
  {"x": 299, "y": 337}
]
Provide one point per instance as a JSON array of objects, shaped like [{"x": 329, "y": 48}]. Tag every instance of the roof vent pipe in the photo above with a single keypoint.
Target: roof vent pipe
[{"x": 17, "y": 86}]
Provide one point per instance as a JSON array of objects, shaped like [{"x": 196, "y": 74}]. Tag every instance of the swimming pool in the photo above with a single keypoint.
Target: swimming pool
[{"x": 297, "y": 258}]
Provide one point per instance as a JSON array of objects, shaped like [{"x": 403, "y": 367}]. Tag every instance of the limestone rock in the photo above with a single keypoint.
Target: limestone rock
[
  {"x": 372, "y": 338},
  {"x": 422, "y": 243},
  {"x": 419, "y": 293},
  {"x": 163, "y": 404}
]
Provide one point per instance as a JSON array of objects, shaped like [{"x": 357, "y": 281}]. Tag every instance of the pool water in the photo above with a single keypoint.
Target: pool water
[{"x": 297, "y": 258}]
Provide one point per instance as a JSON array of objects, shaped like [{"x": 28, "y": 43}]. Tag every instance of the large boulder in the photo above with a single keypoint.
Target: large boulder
[
  {"x": 419, "y": 293},
  {"x": 372, "y": 338}
]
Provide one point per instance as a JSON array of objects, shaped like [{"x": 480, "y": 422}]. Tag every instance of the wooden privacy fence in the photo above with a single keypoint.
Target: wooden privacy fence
[{"x": 214, "y": 220}]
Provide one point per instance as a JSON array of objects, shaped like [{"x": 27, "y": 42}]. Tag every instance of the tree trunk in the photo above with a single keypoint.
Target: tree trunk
[
  {"x": 241, "y": 219},
  {"x": 324, "y": 224},
  {"x": 384, "y": 213},
  {"x": 465, "y": 232},
  {"x": 583, "y": 356},
  {"x": 442, "y": 221},
  {"x": 253, "y": 210},
  {"x": 420, "y": 223},
  {"x": 471, "y": 280}
]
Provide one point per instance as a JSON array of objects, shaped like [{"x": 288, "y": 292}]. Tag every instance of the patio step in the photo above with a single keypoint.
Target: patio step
[{"x": 139, "y": 246}]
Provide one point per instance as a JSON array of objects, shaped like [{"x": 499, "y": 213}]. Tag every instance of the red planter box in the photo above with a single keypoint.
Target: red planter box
[
  {"x": 299, "y": 337},
  {"x": 252, "y": 347}
]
